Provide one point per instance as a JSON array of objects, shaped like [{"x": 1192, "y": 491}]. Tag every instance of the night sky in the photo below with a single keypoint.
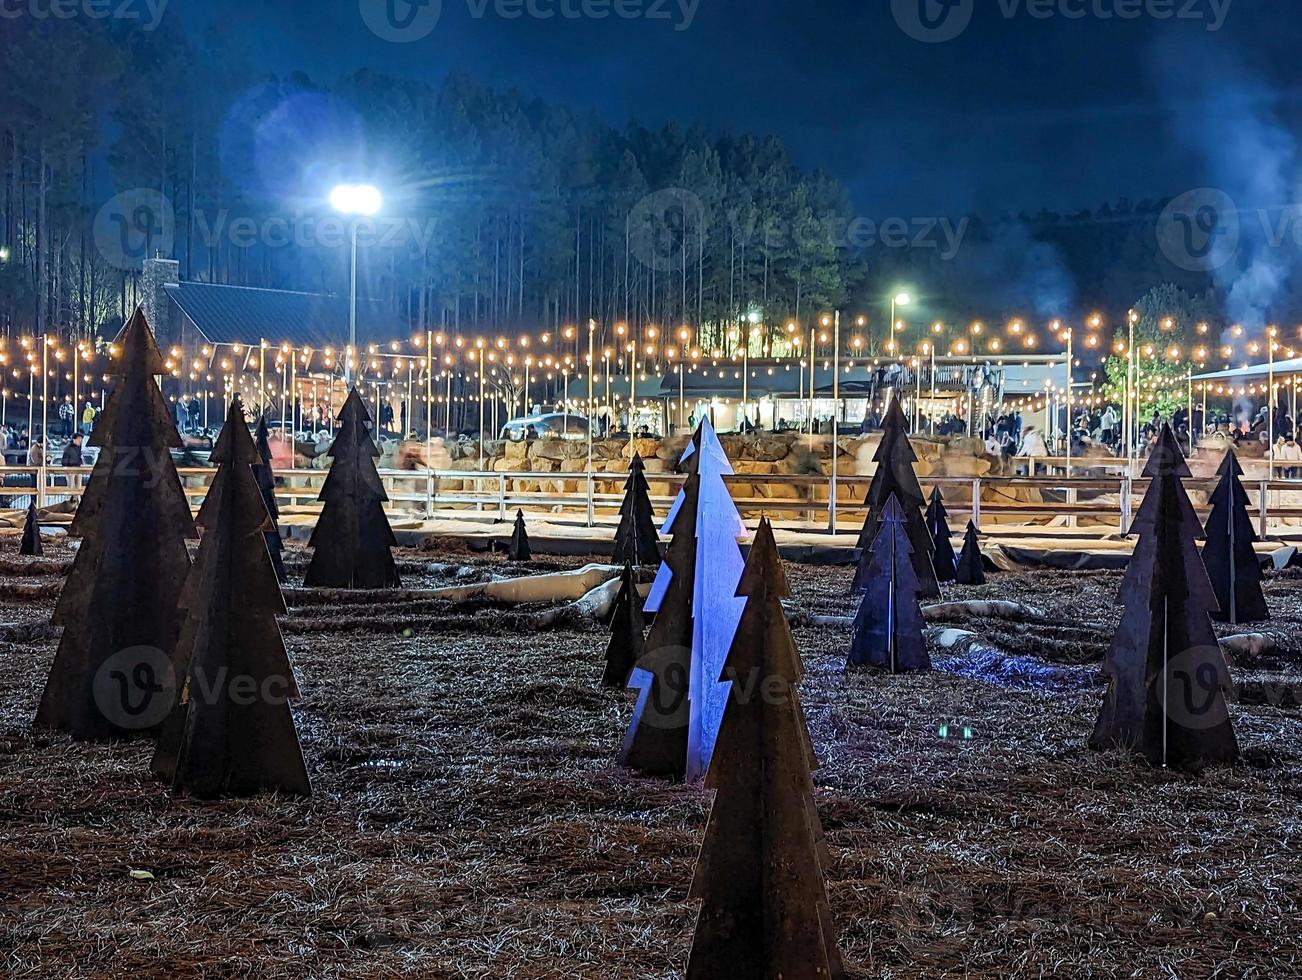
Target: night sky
[{"x": 1016, "y": 113}]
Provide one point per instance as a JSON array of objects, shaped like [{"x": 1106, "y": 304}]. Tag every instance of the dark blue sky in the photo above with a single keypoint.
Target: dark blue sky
[{"x": 1017, "y": 112}]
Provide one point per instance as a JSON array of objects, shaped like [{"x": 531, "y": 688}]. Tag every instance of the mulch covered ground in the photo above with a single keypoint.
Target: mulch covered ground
[{"x": 468, "y": 820}]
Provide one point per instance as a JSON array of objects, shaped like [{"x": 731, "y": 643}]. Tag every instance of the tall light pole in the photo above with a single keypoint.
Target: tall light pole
[
  {"x": 362, "y": 200},
  {"x": 897, "y": 299}
]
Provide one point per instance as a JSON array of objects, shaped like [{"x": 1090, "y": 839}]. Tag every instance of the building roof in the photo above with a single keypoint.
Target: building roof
[
  {"x": 244, "y": 315},
  {"x": 1250, "y": 371}
]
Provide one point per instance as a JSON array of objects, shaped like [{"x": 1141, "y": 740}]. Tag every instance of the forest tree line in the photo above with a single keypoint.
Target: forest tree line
[{"x": 501, "y": 211}]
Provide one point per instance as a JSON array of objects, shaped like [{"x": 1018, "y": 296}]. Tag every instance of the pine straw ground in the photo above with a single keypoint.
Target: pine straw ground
[{"x": 468, "y": 821}]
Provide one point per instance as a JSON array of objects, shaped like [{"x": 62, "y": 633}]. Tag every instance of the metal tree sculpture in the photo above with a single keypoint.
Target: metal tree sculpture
[
  {"x": 267, "y": 486},
  {"x": 895, "y": 477},
  {"x": 943, "y": 558},
  {"x": 1166, "y": 674},
  {"x": 760, "y": 874},
  {"x": 627, "y": 630},
  {"x": 636, "y": 539},
  {"x": 352, "y": 538},
  {"x": 888, "y": 627},
  {"x": 112, "y": 675},
  {"x": 231, "y": 732},
  {"x": 1228, "y": 554}
]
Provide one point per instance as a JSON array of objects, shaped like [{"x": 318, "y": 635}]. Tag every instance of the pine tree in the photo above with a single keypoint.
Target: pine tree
[
  {"x": 267, "y": 485},
  {"x": 971, "y": 567},
  {"x": 627, "y": 631},
  {"x": 118, "y": 607},
  {"x": 231, "y": 731},
  {"x": 636, "y": 540},
  {"x": 31, "y": 543},
  {"x": 943, "y": 558},
  {"x": 1166, "y": 674},
  {"x": 1228, "y": 554},
  {"x": 519, "y": 550},
  {"x": 696, "y": 610},
  {"x": 888, "y": 627},
  {"x": 352, "y": 538},
  {"x": 895, "y": 477},
  {"x": 760, "y": 873}
]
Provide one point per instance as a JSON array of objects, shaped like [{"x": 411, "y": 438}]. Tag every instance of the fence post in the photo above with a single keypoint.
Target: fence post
[
  {"x": 1264, "y": 507},
  {"x": 831, "y": 502},
  {"x": 592, "y": 504},
  {"x": 501, "y": 496},
  {"x": 976, "y": 503},
  {"x": 1127, "y": 491}
]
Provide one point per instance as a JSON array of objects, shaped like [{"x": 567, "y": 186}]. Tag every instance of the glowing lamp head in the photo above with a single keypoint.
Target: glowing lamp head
[{"x": 360, "y": 199}]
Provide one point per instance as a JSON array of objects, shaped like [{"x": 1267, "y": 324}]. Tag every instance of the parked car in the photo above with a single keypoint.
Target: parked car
[{"x": 551, "y": 425}]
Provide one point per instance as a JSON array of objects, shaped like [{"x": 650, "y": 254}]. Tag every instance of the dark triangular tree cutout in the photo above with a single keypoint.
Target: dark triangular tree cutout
[
  {"x": 943, "y": 558},
  {"x": 971, "y": 566},
  {"x": 888, "y": 627},
  {"x": 1228, "y": 554},
  {"x": 31, "y": 543},
  {"x": 1166, "y": 674},
  {"x": 895, "y": 477},
  {"x": 760, "y": 873},
  {"x": 627, "y": 628},
  {"x": 267, "y": 485},
  {"x": 231, "y": 732},
  {"x": 518, "y": 549},
  {"x": 636, "y": 539},
  {"x": 118, "y": 607},
  {"x": 352, "y": 537}
]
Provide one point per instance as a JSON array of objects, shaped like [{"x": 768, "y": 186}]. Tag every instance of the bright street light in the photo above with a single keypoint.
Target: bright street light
[
  {"x": 365, "y": 200},
  {"x": 356, "y": 199}
]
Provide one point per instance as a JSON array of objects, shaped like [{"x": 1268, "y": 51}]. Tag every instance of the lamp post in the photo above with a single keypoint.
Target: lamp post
[
  {"x": 898, "y": 299},
  {"x": 363, "y": 200}
]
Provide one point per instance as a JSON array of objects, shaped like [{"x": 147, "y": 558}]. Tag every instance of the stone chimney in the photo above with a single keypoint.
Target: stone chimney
[{"x": 159, "y": 273}]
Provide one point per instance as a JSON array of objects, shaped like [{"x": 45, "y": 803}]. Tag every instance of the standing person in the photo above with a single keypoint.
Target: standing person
[
  {"x": 72, "y": 452},
  {"x": 1033, "y": 446},
  {"x": 87, "y": 418},
  {"x": 67, "y": 414},
  {"x": 1288, "y": 451}
]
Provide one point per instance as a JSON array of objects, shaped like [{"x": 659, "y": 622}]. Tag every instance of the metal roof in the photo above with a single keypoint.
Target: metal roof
[{"x": 245, "y": 315}]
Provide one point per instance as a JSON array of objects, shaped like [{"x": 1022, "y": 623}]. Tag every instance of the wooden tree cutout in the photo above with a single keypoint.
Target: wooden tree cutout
[
  {"x": 895, "y": 477},
  {"x": 943, "y": 558},
  {"x": 1228, "y": 554},
  {"x": 681, "y": 701},
  {"x": 627, "y": 629},
  {"x": 519, "y": 549},
  {"x": 1166, "y": 675},
  {"x": 231, "y": 732},
  {"x": 888, "y": 627},
  {"x": 760, "y": 874},
  {"x": 352, "y": 538},
  {"x": 267, "y": 485},
  {"x": 118, "y": 607},
  {"x": 636, "y": 539},
  {"x": 971, "y": 566},
  {"x": 31, "y": 543}
]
